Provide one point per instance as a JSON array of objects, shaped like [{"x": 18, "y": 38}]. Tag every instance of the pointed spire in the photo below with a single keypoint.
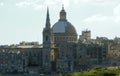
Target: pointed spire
[
  {"x": 47, "y": 11},
  {"x": 47, "y": 19}
]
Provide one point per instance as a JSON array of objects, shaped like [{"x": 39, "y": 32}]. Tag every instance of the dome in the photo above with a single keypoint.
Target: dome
[
  {"x": 64, "y": 27},
  {"x": 63, "y": 30}
]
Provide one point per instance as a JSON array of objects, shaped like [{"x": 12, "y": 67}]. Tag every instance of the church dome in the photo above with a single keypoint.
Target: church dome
[
  {"x": 63, "y": 26},
  {"x": 63, "y": 30}
]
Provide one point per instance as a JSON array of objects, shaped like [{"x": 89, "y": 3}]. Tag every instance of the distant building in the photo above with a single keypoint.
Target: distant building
[{"x": 60, "y": 52}]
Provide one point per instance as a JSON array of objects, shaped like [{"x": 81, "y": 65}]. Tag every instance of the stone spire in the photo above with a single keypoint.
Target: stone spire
[{"x": 48, "y": 25}]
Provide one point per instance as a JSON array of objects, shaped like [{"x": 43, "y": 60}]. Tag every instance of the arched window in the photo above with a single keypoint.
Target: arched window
[{"x": 46, "y": 38}]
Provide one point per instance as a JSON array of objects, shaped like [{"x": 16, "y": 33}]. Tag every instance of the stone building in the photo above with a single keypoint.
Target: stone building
[
  {"x": 12, "y": 60},
  {"x": 61, "y": 50},
  {"x": 74, "y": 54},
  {"x": 17, "y": 58}
]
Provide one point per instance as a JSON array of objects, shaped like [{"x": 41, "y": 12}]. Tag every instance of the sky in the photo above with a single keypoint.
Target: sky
[{"x": 24, "y": 20}]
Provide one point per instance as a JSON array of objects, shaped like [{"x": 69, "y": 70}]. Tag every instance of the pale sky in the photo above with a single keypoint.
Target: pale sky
[{"x": 23, "y": 20}]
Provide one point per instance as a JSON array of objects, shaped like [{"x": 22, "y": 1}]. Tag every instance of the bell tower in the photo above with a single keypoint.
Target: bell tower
[
  {"x": 47, "y": 44},
  {"x": 48, "y": 38}
]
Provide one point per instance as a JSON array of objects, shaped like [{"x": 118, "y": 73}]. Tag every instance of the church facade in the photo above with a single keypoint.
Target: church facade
[{"x": 61, "y": 52}]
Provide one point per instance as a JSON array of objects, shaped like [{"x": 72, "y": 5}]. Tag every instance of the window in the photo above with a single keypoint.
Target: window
[{"x": 46, "y": 38}]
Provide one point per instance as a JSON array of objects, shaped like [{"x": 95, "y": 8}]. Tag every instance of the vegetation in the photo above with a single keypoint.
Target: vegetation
[{"x": 96, "y": 72}]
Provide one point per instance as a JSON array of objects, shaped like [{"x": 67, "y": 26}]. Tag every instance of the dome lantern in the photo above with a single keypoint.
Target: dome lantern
[{"x": 62, "y": 14}]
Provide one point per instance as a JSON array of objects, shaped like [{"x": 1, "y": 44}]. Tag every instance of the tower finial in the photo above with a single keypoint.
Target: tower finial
[{"x": 62, "y": 6}]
